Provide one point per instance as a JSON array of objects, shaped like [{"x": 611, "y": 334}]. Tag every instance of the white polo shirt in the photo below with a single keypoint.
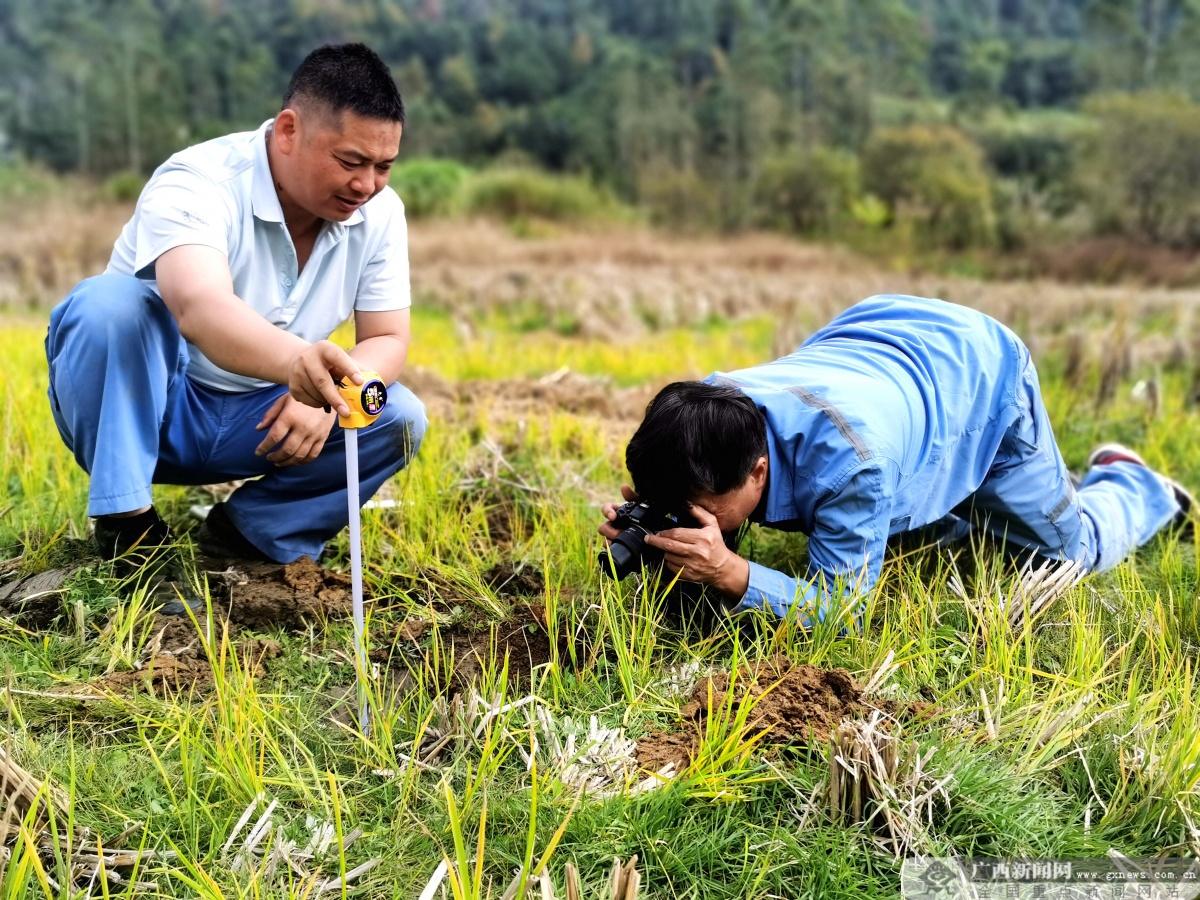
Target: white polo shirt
[{"x": 220, "y": 194}]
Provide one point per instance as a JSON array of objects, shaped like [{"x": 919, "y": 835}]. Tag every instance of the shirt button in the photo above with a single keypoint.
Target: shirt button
[{"x": 287, "y": 282}]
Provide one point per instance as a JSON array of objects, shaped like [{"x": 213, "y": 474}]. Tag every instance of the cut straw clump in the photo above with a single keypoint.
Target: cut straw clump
[
  {"x": 1039, "y": 588},
  {"x": 1036, "y": 590},
  {"x": 624, "y": 883},
  {"x": 263, "y": 851},
  {"x": 32, "y": 814},
  {"x": 877, "y": 780},
  {"x": 28, "y": 805},
  {"x": 587, "y": 757},
  {"x": 599, "y": 761}
]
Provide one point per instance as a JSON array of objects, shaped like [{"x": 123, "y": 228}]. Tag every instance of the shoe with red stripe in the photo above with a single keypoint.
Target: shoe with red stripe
[{"x": 1107, "y": 454}]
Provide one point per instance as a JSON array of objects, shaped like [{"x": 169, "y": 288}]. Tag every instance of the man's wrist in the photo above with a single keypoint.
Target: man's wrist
[{"x": 735, "y": 577}]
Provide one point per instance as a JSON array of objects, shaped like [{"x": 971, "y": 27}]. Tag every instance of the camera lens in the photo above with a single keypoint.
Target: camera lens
[{"x": 621, "y": 557}]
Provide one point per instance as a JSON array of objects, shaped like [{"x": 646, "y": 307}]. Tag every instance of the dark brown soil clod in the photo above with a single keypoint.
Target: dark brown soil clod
[
  {"x": 248, "y": 596},
  {"x": 793, "y": 703},
  {"x": 35, "y": 601},
  {"x": 523, "y": 638},
  {"x": 174, "y": 660},
  {"x": 291, "y": 596},
  {"x": 510, "y": 581}
]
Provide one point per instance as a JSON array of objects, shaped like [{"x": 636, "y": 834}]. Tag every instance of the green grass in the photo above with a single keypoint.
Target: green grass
[{"x": 1072, "y": 737}]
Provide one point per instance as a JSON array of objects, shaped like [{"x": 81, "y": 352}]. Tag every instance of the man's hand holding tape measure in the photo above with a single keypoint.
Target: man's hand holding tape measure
[
  {"x": 315, "y": 371},
  {"x": 299, "y": 422}
]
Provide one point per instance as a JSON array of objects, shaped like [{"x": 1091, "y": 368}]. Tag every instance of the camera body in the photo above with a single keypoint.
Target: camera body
[{"x": 629, "y": 551}]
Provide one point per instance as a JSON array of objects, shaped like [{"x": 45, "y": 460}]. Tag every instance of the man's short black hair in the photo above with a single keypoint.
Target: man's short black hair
[
  {"x": 347, "y": 77},
  {"x": 696, "y": 438}
]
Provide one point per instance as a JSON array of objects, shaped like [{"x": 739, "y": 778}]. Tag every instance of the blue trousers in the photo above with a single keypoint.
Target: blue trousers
[
  {"x": 123, "y": 403},
  {"x": 1029, "y": 499}
]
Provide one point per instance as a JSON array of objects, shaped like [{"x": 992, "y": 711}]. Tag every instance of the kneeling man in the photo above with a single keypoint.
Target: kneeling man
[{"x": 899, "y": 414}]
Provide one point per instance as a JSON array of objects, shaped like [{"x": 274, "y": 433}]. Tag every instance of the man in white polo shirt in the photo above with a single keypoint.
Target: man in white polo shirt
[{"x": 200, "y": 355}]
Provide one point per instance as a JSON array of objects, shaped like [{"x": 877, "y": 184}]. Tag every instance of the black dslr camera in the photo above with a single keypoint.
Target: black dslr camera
[{"x": 629, "y": 552}]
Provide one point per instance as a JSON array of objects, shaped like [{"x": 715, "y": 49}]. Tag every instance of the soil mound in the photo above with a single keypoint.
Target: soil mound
[
  {"x": 248, "y": 596},
  {"x": 253, "y": 595},
  {"x": 174, "y": 660},
  {"x": 793, "y": 704},
  {"x": 666, "y": 748},
  {"x": 523, "y": 638},
  {"x": 508, "y": 580},
  {"x": 263, "y": 595}
]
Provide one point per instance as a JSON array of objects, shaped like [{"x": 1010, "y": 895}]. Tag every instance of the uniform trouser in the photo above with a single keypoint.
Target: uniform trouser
[
  {"x": 123, "y": 403},
  {"x": 1030, "y": 500}
]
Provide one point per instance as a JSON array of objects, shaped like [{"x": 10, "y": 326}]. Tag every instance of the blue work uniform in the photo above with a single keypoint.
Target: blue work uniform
[{"x": 902, "y": 411}]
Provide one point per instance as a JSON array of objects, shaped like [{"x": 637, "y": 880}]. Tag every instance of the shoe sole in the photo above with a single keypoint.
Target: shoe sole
[
  {"x": 1183, "y": 497},
  {"x": 1123, "y": 453}
]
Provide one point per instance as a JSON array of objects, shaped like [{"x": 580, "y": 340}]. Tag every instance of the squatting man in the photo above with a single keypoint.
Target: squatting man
[
  {"x": 201, "y": 354},
  {"x": 899, "y": 414}
]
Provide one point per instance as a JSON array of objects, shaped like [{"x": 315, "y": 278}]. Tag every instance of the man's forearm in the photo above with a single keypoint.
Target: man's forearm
[
  {"x": 804, "y": 602},
  {"x": 195, "y": 284},
  {"x": 385, "y": 354},
  {"x": 239, "y": 340}
]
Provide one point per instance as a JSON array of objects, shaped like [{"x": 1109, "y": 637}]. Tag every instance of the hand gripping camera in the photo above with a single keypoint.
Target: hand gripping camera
[{"x": 629, "y": 552}]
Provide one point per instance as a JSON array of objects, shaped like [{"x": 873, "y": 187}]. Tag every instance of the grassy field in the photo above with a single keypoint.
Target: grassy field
[{"x": 1072, "y": 733}]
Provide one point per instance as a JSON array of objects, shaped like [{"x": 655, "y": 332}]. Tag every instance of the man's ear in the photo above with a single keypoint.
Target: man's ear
[
  {"x": 758, "y": 475},
  {"x": 286, "y": 131}
]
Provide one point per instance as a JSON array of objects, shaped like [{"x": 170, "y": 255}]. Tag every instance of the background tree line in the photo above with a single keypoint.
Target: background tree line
[{"x": 953, "y": 123}]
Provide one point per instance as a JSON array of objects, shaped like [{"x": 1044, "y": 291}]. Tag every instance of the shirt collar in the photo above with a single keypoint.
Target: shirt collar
[{"x": 265, "y": 200}]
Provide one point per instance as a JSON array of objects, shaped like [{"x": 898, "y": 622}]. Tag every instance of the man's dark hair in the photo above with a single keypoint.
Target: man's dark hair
[
  {"x": 695, "y": 438},
  {"x": 347, "y": 77}
]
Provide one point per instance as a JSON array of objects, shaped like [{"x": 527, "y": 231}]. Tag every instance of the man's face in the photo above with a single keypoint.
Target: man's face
[
  {"x": 732, "y": 508},
  {"x": 338, "y": 163}
]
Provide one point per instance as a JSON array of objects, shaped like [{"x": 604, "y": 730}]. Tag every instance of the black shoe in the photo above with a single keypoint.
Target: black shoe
[
  {"x": 144, "y": 552},
  {"x": 219, "y": 538}
]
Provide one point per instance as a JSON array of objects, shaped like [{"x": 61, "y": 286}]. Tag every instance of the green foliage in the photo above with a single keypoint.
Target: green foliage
[
  {"x": 1143, "y": 169},
  {"x": 428, "y": 187},
  {"x": 807, "y": 192},
  {"x": 709, "y": 114},
  {"x": 683, "y": 200},
  {"x": 1034, "y": 156},
  {"x": 124, "y": 186},
  {"x": 20, "y": 181},
  {"x": 1035, "y": 150},
  {"x": 935, "y": 178},
  {"x": 870, "y": 212},
  {"x": 530, "y": 194}
]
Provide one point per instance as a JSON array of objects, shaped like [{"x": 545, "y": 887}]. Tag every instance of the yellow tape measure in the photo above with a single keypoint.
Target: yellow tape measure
[{"x": 366, "y": 400}]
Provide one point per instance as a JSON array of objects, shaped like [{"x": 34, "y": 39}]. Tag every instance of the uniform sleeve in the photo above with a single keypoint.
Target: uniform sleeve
[
  {"x": 384, "y": 284},
  {"x": 845, "y": 556},
  {"x": 178, "y": 207}
]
